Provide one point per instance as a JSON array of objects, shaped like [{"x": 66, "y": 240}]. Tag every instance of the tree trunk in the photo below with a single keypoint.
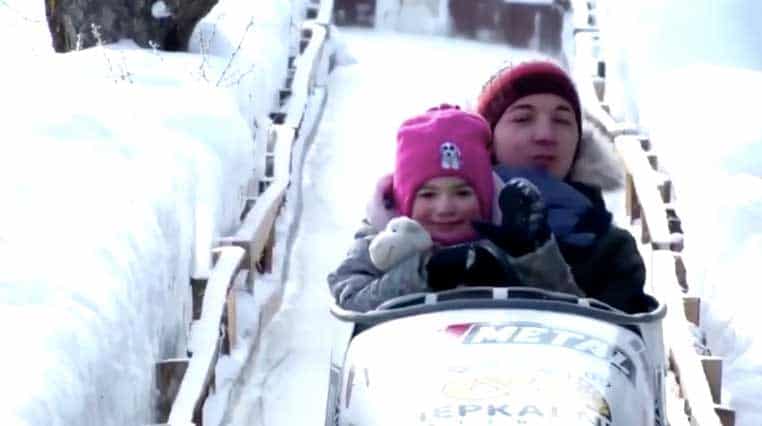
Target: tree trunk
[{"x": 84, "y": 23}]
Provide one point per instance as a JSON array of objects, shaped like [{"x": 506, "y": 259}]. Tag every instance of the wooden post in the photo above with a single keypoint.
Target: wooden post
[
  {"x": 198, "y": 287},
  {"x": 645, "y": 143},
  {"x": 645, "y": 236},
  {"x": 169, "y": 375},
  {"x": 232, "y": 330},
  {"x": 266, "y": 260},
  {"x": 599, "y": 84},
  {"x": 681, "y": 272},
  {"x": 726, "y": 414},
  {"x": 653, "y": 161},
  {"x": 692, "y": 306},
  {"x": 665, "y": 190},
  {"x": 632, "y": 205},
  {"x": 713, "y": 370}
]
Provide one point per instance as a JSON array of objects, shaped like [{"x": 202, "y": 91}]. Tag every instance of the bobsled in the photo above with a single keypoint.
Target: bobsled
[{"x": 498, "y": 356}]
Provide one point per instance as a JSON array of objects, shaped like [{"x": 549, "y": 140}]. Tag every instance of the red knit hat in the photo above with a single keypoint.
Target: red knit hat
[
  {"x": 444, "y": 141},
  {"x": 528, "y": 78}
]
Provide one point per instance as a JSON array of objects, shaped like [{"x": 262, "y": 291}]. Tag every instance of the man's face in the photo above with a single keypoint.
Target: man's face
[{"x": 537, "y": 131}]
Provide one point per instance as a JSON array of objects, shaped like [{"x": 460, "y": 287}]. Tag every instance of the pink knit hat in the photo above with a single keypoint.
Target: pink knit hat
[{"x": 444, "y": 141}]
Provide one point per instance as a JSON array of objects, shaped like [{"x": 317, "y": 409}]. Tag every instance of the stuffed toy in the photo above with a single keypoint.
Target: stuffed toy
[{"x": 401, "y": 238}]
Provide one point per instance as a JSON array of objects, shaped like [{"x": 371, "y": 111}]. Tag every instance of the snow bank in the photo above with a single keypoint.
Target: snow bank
[
  {"x": 255, "y": 40},
  {"x": 713, "y": 151},
  {"x": 23, "y": 29},
  {"x": 684, "y": 70},
  {"x": 643, "y": 39},
  {"x": 120, "y": 168}
]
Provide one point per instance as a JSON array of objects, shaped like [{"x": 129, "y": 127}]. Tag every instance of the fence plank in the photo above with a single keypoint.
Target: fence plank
[
  {"x": 713, "y": 370},
  {"x": 194, "y": 386},
  {"x": 646, "y": 183},
  {"x": 726, "y": 414},
  {"x": 692, "y": 307},
  {"x": 169, "y": 374},
  {"x": 252, "y": 235},
  {"x": 687, "y": 366},
  {"x": 246, "y": 246},
  {"x": 304, "y": 78}
]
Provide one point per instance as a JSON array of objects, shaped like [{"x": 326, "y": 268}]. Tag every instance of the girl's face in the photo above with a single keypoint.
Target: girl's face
[
  {"x": 537, "y": 130},
  {"x": 445, "y": 207}
]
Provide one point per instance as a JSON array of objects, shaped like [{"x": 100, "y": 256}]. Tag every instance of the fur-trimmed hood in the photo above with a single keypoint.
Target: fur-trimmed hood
[{"x": 597, "y": 163}]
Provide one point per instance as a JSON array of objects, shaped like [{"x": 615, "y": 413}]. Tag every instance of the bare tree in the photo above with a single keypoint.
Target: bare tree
[{"x": 165, "y": 24}]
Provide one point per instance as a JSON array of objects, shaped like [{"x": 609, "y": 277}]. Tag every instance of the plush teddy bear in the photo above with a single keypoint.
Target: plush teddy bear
[{"x": 401, "y": 238}]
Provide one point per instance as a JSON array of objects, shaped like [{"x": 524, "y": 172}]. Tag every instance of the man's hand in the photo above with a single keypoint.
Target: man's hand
[{"x": 524, "y": 226}]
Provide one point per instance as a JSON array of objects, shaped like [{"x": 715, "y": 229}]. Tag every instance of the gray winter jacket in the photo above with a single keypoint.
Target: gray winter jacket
[{"x": 358, "y": 285}]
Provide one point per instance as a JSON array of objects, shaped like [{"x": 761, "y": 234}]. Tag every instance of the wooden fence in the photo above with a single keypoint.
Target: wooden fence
[
  {"x": 185, "y": 383},
  {"x": 694, "y": 380}
]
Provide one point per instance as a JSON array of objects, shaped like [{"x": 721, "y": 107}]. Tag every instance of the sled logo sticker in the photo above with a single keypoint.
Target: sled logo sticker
[
  {"x": 524, "y": 333},
  {"x": 529, "y": 414},
  {"x": 450, "y": 155},
  {"x": 563, "y": 396},
  {"x": 479, "y": 388},
  {"x": 458, "y": 330}
]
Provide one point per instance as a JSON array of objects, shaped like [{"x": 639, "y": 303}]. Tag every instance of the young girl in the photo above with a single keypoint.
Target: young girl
[{"x": 443, "y": 182}]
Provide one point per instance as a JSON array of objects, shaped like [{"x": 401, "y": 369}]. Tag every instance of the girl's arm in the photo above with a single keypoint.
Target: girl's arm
[{"x": 358, "y": 285}]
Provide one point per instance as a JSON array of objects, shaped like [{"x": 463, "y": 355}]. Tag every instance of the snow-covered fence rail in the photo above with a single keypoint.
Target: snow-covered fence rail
[
  {"x": 186, "y": 383},
  {"x": 205, "y": 345},
  {"x": 695, "y": 379}
]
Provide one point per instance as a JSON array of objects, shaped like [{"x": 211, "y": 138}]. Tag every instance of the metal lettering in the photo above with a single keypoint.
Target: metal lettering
[
  {"x": 594, "y": 347},
  {"x": 442, "y": 412},
  {"x": 489, "y": 334},
  {"x": 502, "y": 409},
  {"x": 534, "y": 333},
  {"x": 463, "y": 410},
  {"x": 563, "y": 337},
  {"x": 531, "y": 335},
  {"x": 530, "y": 409}
]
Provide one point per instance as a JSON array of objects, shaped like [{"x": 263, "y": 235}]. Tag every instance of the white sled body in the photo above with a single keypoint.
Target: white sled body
[{"x": 500, "y": 366}]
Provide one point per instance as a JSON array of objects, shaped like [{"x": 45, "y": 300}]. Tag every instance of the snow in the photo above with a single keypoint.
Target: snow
[
  {"x": 23, "y": 30},
  {"x": 160, "y": 10},
  {"x": 691, "y": 77},
  {"x": 119, "y": 181},
  {"x": 120, "y": 168}
]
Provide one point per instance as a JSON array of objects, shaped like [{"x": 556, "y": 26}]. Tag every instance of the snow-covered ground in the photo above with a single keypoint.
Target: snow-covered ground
[
  {"x": 689, "y": 73},
  {"x": 121, "y": 167}
]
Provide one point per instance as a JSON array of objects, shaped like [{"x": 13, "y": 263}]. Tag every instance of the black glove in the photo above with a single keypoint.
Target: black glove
[
  {"x": 468, "y": 264},
  {"x": 447, "y": 267},
  {"x": 524, "y": 226}
]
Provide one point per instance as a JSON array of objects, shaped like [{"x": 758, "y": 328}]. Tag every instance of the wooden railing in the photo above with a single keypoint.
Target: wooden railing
[
  {"x": 694, "y": 379},
  {"x": 184, "y": 384}
]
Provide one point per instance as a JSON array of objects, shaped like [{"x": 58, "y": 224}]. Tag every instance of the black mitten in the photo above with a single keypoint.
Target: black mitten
[
  {"x": 447, "y": 267},
  {"x": 468, "y": 264},
  {"x": 524, "y": 226}
]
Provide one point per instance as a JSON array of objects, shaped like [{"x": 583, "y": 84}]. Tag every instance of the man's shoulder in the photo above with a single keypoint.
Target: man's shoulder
[{"x": 616, "y": 241}]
